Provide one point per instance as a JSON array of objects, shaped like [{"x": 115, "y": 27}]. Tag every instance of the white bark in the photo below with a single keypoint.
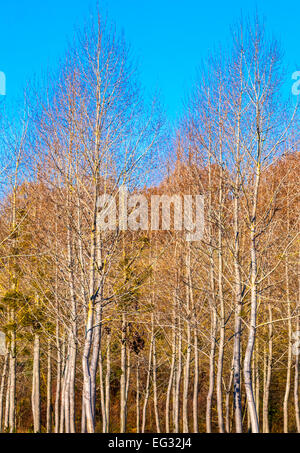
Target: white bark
[{"x": 36, "y": 397}]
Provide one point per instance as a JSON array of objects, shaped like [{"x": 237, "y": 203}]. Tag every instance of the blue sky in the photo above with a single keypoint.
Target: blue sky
[{"x": 170, "y": 37}]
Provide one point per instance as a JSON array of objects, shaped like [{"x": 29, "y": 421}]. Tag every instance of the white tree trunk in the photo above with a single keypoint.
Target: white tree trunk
[
  {"x": 2, "y": 387},
  {"x": 36, "y": 397},
  {"x": 49, "y": 390}
]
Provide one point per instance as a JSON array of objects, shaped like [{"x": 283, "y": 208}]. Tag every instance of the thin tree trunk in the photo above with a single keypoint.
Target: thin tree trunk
[
  {"x": 253, "y": 281},
  {"x": 155, "y": 397},
  {"x": 102, "y": 394},
  {"x": 73, "y": 335},
  {"x": 35, "y": 397},
  {"x": 227, "y": 400},
  {"x": 296, "y": 375},
  {"x": 178, "y": 378},
  {"x": 83, "y": 417},
  {"x": 138, "y": 395},
  {"x": 266, "y": 428},
  {"x": 12, "y": 384},
  {"x": 196, "y": 383},
  {"x": 289, "y": 360},
  {"x": 147, "y": 384},
  {"x": 213, "y": 312},
  {"x": 58, "y": 345},
  {"x": 128, "y": 374},
  {"x": 219, "y": 387},
  {"x": 63, "y": 385},
  {"x": 123, "y": 408},
  {"x": 211, "y": 369},
  {"x": 49, "y": 390},
  {"x": 58, "y": 382},
  {"x": 257, "y": 382},
  {"x": 107, "y": 381},
  {"x": 6, "y": 414},
  {"x": 186, "y": 377},
  {"x": 172, "y": 371},
  {"x": 196, "y": 353},
  {"x": 66, "y": 393},
  {"x": 88, "y": 385},
  {"x": 237, "y": 320},
  {"x": 2, "y": 387}
]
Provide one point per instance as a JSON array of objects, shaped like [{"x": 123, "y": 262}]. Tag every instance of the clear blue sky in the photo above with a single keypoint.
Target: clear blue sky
[{"x": 170, "y": 37}]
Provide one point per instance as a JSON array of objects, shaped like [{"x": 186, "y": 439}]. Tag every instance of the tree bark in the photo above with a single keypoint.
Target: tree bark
[{"x": 36, "y": 397}]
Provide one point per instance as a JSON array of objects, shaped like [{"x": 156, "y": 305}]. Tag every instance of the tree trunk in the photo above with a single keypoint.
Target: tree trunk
[
  {"x": 123, "y": 405},
  {"x": 49, "y": 390},
  {"x": 147, "y": 384},
  {"x": 2, "y": 387},
  {"x": 172, "y": 370},
  {"x": 237, "y": 319},
  {"x": 12, "y": 384},
  {"x": 107, "y": 381},
  {"x": 178, "y": 378},
  {"x": 35, "y": 397},
  {"x": 268, "y": 358},
  {"x": 289, "y": 352},
  {"x": 155, "y": 397},
  {"x": 253, "y": 281},
  {"x": 138, "y": 395},
  {"x": 296, "y": 375}
]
